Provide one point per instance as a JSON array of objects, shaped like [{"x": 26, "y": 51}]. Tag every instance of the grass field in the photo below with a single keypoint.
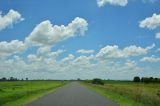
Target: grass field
[
  {"x": 129, "y": 93},
  {"x": 19, "y": 93}
]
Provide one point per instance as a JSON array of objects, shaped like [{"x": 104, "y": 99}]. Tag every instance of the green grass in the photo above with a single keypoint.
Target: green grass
[
  {"x": 129, "y": 93},
  {"x": 19, "y": 93}
]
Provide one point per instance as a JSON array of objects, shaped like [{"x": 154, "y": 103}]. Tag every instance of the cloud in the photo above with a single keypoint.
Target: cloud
[
  {"x": 14, "y": 66},
  {"x": 130, "y": 64},
  {"x": 83, "y": 51},
  {"x": 33, "y": 58},
  {"x": 68, "y": 58},
  {"x": 44, "y": 53},
  {"x": 101, "y": 3},
  {"x": 10, "y": 48},
  {"x": 73, "y": 67},
  {"x": 49, "y": 65},
  {"x": 150, "y": 59},
  {"x": 150, "y": 22},
  {"x": 12, "y": 17},
  {"x": 46, "y": 63},
  {"x": 157, "y": 35},
  {"x": 158, "y": 50},
  {"x": 115, "y": 52},
  {"x": 43, "y": 50},
  {"x": 48, "y": 34}
]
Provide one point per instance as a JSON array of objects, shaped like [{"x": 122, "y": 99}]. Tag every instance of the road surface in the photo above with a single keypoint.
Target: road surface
[{"x": 73, "y": 94}]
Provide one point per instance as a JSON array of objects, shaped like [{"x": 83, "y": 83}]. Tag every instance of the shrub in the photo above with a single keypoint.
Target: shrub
[
  {"x": 136, "y": 79},
  {"x": 97, "y": 81},
  {"x": 145, "y": 79},
  {"x": 151, "y": 79}
]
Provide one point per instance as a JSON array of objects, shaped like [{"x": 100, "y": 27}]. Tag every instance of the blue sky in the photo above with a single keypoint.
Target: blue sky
[{"x": 120, "y": 39}]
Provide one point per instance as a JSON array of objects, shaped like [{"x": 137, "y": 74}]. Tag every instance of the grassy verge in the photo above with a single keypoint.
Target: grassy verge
[
  {"x": 129, "y": 94},
  {"x": 19, "y": 93}
]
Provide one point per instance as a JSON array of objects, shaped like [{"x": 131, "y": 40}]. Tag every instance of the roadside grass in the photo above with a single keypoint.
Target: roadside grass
[
  {"x": 19, "y": 93},
  {"x": 129, "y": 93}
]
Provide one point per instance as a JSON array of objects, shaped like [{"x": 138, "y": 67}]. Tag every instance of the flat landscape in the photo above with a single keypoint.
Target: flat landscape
[
  {"x": 73, "y": 94},
  {"x": 128, "y": 93},
  {"x": 79, "y": 52},
  {"x": 18, "y": 93},
  {"x": 79, "y": 93}
]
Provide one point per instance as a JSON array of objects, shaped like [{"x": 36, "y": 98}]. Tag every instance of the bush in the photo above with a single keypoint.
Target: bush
[
  {"x": 136, "y": 79},
  {"x": 97, "y": 81},
  {"x": 145, "y": 80}
]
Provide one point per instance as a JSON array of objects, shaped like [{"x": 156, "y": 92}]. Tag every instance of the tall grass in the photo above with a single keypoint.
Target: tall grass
[
  {"x": 12, "y": 92},
  {"x": 139, "y": 95},
  {"x": 146, "y": 94}
]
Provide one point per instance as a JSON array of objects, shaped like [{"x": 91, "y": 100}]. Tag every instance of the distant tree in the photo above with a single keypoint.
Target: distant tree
[
  {"x": 26, "y": 79},
  {"x": 4, "y": 79},
  {"x": 136, "y": 79},
  {"x": 151, "y": 79},
  {"x": 97, "y": 81},
  {"x": 11, "y": 79},
  {"x": 145, "y": 80},
  {"x": 78, "y": 79},
  {"x": 142, "y": 79},
  {"x": 156, "y": 79}
]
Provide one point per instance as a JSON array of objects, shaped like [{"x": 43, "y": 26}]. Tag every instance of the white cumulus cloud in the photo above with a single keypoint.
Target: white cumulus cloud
[
  {"x": 83, "y": 51},
  {"x": 151, "y": 22},
  {"x": 46, "y": 33},
  {"x": 10, "y": 48},
  {"x": 158, "y": 50},
  {"x": 116, "y": 52},
  {"x": 9, "y": 19},
  {"x": 157, "y": 35},
  {"x": 68, "y": 58},
  {"x": 101, "y": 3},
  {"x": 49, "y": 65},
  {"x": 150, "y": 59}
]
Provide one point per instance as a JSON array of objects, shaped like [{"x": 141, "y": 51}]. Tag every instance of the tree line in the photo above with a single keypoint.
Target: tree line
[
  {"x": 12, "y": 79},
  {"x": 146, "y": 79}
]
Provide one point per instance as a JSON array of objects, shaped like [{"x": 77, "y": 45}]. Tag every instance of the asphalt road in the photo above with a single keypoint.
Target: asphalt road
[{"x": 73, "y": 94}]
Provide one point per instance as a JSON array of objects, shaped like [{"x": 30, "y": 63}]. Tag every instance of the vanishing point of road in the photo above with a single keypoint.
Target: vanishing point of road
[{"x": 73, "y": 94}]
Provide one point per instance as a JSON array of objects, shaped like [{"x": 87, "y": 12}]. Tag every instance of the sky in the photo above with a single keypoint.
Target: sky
[{"x": 70, "y": 39}]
